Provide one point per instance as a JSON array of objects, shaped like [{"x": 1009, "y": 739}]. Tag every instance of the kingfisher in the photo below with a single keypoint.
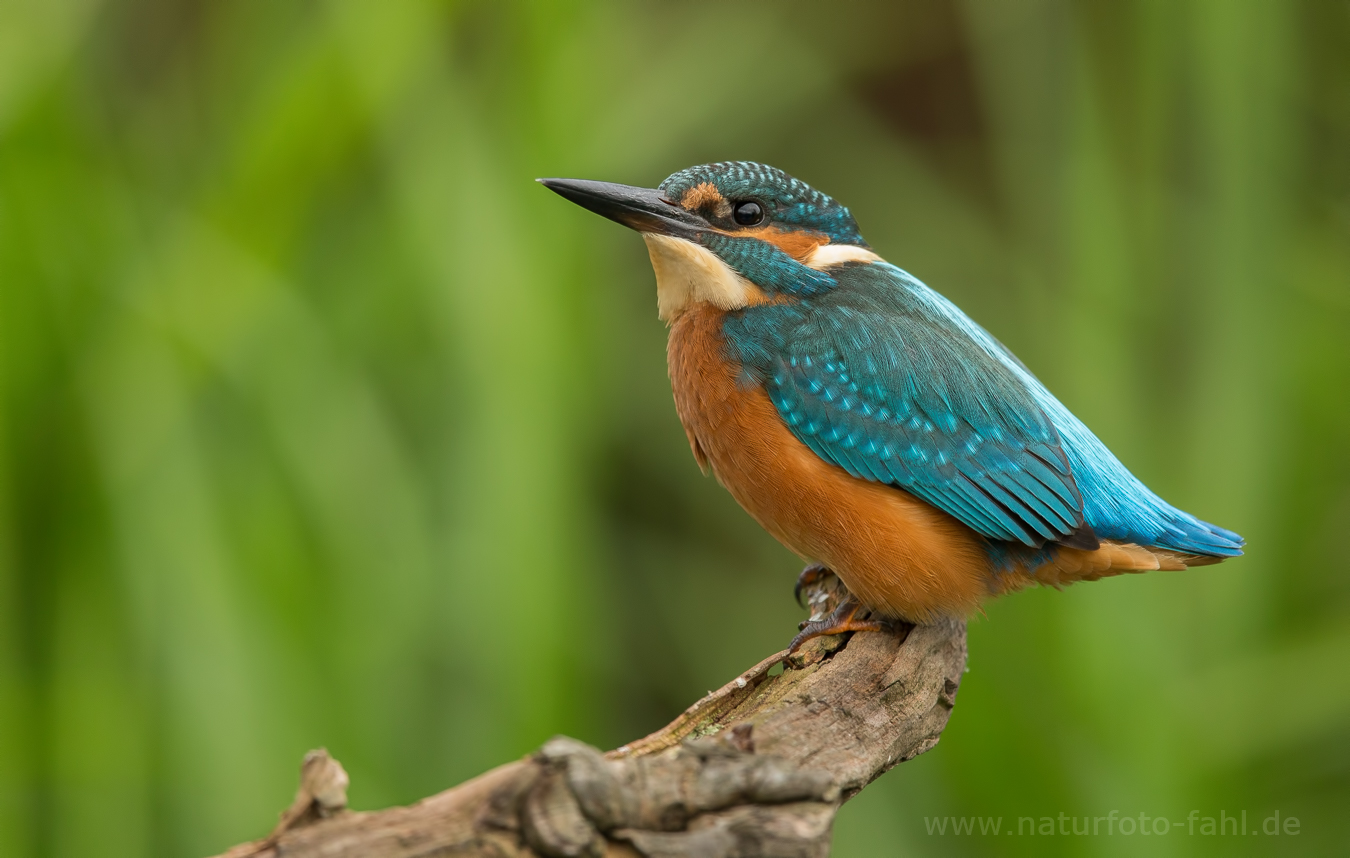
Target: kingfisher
[{"x": 866, "y": 422}]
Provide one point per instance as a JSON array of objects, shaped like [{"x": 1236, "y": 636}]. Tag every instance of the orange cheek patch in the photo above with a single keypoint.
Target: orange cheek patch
[{"x": 799, "y": 244}]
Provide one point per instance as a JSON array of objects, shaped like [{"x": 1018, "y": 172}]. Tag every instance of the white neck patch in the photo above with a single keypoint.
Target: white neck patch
[
  {"x": 688, "y": 274},
  {"x": 837, "y": 254}
]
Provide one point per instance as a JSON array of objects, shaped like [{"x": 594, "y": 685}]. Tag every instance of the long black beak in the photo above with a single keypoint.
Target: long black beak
[{"x": 636, "y": 208}]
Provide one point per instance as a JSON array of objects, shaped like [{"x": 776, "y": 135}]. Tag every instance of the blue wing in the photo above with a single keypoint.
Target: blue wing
[{"x": 890, "y": 381}]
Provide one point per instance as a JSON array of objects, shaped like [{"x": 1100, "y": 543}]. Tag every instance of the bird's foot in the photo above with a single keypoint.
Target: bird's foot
[
  {"x": 810, "y": 577},
  {"x": 843, "y": 618}
]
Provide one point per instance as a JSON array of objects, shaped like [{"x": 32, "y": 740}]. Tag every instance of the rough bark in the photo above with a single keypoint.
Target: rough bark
[{"x": 756, "y": 768}]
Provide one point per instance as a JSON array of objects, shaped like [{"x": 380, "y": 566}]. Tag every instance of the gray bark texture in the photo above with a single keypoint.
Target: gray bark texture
[{"x": 756, "y": 768}]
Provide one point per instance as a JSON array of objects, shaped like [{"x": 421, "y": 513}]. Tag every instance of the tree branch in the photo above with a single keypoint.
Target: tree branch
[{"x": 756, "y": 768}]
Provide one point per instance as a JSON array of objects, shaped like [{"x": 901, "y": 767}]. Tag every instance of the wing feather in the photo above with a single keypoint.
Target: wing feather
[{"x": 883, "y": 380}]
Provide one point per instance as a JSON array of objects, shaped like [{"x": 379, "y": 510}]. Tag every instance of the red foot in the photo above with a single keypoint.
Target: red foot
[{"x": 841, "y": 620}]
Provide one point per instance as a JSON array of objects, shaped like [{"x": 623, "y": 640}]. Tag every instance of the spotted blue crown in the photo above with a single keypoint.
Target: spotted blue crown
[{"x": 789, "y": 202}]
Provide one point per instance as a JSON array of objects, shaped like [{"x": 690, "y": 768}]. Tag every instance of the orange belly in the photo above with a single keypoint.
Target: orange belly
[{"x": 900, "y": 556}]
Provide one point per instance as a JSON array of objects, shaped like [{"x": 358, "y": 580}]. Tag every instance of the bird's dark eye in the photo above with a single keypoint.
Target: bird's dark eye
[{"x": 748, "y": 213}]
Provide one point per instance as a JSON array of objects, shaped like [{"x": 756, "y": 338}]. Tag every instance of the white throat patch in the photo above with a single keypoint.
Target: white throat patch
[{"x": 687, "y": 274}]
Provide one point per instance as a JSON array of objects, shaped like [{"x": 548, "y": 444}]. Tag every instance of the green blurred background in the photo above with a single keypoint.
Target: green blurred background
[{"x": 322, "y": 424}]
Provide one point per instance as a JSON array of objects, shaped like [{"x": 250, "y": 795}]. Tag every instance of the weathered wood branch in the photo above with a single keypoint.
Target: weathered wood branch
[{"x": 756, "y": 768}]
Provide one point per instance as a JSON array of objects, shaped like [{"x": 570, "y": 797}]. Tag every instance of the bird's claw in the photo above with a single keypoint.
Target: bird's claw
[
  {"x": 842, "y": 619},
  {"x": 810, "y": 575}
]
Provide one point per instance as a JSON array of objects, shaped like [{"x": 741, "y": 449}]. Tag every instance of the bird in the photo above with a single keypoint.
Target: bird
[{"x": 865, "y": 421}]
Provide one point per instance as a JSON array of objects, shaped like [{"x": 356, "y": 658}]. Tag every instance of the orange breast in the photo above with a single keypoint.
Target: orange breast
[{"x": 898, "y": 555}]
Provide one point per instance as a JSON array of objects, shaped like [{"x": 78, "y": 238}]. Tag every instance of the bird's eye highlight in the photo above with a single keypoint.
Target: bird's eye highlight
[{"x": 748, "y": 213}]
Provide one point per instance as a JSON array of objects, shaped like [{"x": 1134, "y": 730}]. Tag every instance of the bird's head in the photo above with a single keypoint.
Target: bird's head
[{"x": 730, "y": 234}]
